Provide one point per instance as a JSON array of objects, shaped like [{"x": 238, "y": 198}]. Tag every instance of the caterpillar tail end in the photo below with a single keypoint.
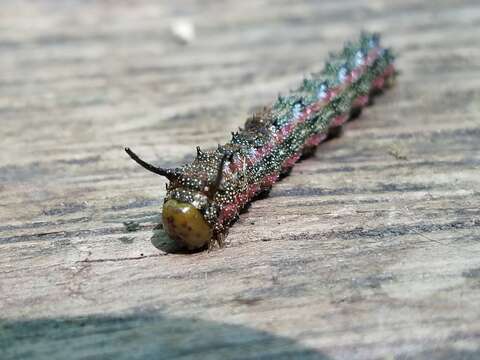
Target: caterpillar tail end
[{"x": 185, "y": 224}]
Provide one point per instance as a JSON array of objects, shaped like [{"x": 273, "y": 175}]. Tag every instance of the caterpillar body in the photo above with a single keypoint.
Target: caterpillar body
[{"x": 205, "y": 197}]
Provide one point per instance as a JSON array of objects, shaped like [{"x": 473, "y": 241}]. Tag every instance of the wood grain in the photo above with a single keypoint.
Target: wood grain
[{"x": 370, "y": 249}]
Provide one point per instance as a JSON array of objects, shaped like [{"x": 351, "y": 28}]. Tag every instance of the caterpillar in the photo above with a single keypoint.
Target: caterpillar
[{"x": 205, "y": 197}]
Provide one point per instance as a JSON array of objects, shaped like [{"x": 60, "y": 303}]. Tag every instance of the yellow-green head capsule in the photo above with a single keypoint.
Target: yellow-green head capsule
[{"x": 185, "y": 224}]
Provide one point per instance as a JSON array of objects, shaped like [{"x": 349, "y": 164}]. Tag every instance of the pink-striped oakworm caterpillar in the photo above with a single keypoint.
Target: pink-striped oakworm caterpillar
[{"x": 205, "y": 196}]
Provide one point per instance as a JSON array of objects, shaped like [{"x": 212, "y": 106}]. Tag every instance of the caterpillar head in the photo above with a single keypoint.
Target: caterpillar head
[{"x": 188, "y": 216}]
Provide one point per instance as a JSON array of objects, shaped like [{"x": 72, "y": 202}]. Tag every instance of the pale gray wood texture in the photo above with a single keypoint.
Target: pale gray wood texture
[{"x": 369, "y": 249}]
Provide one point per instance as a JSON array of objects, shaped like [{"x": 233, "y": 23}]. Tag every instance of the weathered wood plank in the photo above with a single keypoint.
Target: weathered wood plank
[{"x": 368, "y": 250}]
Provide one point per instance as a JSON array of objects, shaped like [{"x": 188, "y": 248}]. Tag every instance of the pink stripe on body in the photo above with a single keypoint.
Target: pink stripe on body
[{"x": 228, "y": 211}]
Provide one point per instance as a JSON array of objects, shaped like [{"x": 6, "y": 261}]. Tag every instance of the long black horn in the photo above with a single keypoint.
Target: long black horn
[
  {"x": 216, "y": 185},
  {"x": 170, "y": 174}
]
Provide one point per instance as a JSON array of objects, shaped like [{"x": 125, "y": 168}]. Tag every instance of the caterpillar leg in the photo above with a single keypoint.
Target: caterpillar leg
[
  {"x": 355, "y": 113},
  {"x": 390, "y": 81},
  {"x": 217, "y": 239},
  {"x": 334, "y": 132}
]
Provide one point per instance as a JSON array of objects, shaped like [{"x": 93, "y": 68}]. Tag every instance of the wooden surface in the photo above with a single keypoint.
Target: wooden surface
[{"x": 370, "y": 249}]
